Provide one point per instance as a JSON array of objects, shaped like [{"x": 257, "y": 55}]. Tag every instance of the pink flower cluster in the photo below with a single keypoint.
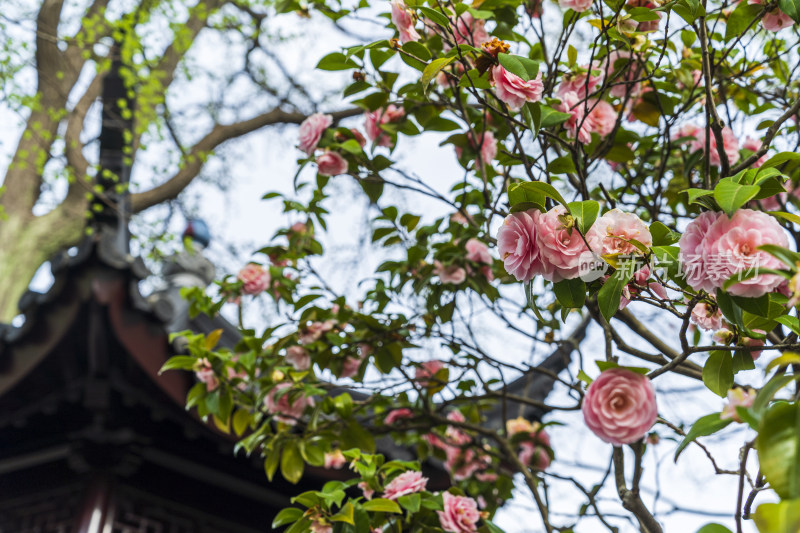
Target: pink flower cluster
[
  {"x": 403, "y": 20},
  {"x": 714, "y": 248},
  {"x": 404, "y": 484},
  {"x": 334, "y": 460},
  {"x": 532, "y": 243},
  {"x": 698, "y": 134},
  {"x": 255, "y": 278},
  {"x": 620, "y": 406},
  {"x": 513, "y": 90},
  {"x": 534, "y": 449},
  {"x": 462, "y": 461},
  {"x": 587, "y": 116},
  {"x": 286, "y": 411},
  {"x": 205, "y": 374},
  {"x": 374, "y": 119},
  {"x": 460, "y": 514}
]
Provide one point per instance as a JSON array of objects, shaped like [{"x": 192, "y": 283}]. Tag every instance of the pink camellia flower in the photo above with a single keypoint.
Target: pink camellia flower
[
  {"x": 613, "y": 232},
  {"x": 774, "y": 20},
  {"x": 312, "y": 332},
  {"x": 487, "y": 144},
  {"x": 334, "y": 460},
  {"x": 533, "y": 455},
  {"x": 298, "y": 357},
  {"x": 478, "y": 252},
  {"x": 427, "y": 370},
  {"x": 406, "y": 483},
  {"x": 691, "y": 254},
  {"x": 579, "y": 6},
  {"x": 689, "y": 131},
  {"x": 517, "y": 244},
  {"x": 374, "y": 119},
  {"x": 205, "y": 374},
  {"x": 515, "y": 91},
  {"x": 311, "y": 130},
  {"x": 729, "y": 140},
  {"x": 366, "y": 489},
  {"x": 471, "y": 31},
  {"x": 398, "y": 414},
  {"x": 449, "y": 273},
  {"x": 754, "y": 343},
  {"x": 578, "y": 125},
  {"x": 730, "y": 246},
  {"x": 602, "y": 116},
  {"x": 351, "y": 366},
  {"x": 255, "y": 278},
  {"x": 560, "y": 247},
  {"x": 737, "y": 397},
  {"x": 284, "y": 410},
  {"x": 331, "y": 164},
  {"x": 706, "y": 317},
  {"x": 460, "y": 514},
  {"x": 624, "y": 83},
  {"x": 403, "y": 20},
  {"x": 754, "y": 145},
  {"x": 620, "y": 406},
  {"x": 582, "y": 83}
]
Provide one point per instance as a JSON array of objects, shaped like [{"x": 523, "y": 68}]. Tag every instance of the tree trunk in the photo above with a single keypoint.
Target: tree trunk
[{"x": 26, "y": 242}]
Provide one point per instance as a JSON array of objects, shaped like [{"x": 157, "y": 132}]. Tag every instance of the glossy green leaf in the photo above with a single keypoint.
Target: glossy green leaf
[
  {"x": 782, "y": 517},
  {"x": 731, "y": 195},
  {"x": 433, "y": 69},
  {"x": 584, "y": 213},
  {"x": 703, "y": 426},
  {"x": 778, "y": 445},
  {"x": 610, "y": 294},
  {"x": 292, "y": 464},
  {"x": 381, "y": 505},
  {"x": 570, "y": 292},
  {"x": 713, "y": 528},
  {"x": 539, "y": 188},
  {"x": 718, "y": 372},
  {"x": 287, "y": 516}
]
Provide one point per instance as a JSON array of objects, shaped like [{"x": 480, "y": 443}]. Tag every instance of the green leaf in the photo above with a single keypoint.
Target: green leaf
[
  {"x": 271, "y": 462},
  {"x": 287, "y": 516},
  {"x": 791, "y": 217},
  {"x": 729, "y": 309},
  {"x": 694, "y": 194},
  {"x": 523, "y": 67},
  {"x": 662, "y": 235},
  {"x": 605, "y": 365},
  {"x": 492, "y": 528},
  {"x": 417, "y": 49},
  {"x": 539, "y": 189},
  {"x": 609, "y": 296},
  {"x": 778, "y": 445},
  {"x": 433, "y": 68},
  {"x": 731, "y": 195},
  {"x": 182, "y": 362},
  {"x": 788, "y": 257},
  {"x": 584, "y": 213},
  {"x": 742, "y": 360},
  {"x": 561, "y": 165},
  {"x": 550, "y": 117},
  {"x": 758, "y": 306},
  {"x": 785, "y": 359},
  {"x": 381, "y": 505},
  {"x": 718, "y": 372},
  {"x": 783, "y": 517},
  {"x": 781, "y": 158},
  {"x": 436, "y": 16},
  {"x": 791, "y": 8},
  {"x": 570, "y": 292},
  {"x": 344, "y": 515},
  {"x": 703, "y": 426},
  {"x": 292, "y": 463},
  {"x": 741, "y": 17},
  {"x": 410, "y": 502},
  {"x": 336, "y": 61}
]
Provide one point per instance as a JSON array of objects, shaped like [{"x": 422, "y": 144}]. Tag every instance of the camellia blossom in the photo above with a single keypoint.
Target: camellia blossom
[
  {"x": 334, "y": 460},
  {"x": 312, "y": 332},
  {"x": 738, "y": 397},
  {"x": 449, "y": 273},
  {"x": 691, "y": 254},
  {"x": 517, "y": 244},
  {"x": 331, "y": 164},
  {"x": 515, "y": 91},
  {"x": 620, "y": 406},
  {"x": 471, "y": 31},
  {"x": 311, "y": 130},
  {"x": 478, "y": 252},
  {"x": 774, "y": 20},
  {"x": 205, "y": 374},
  {"x": 298, "y": 357},
  {"x": 624, "y": 83},
  {"x": 579, "y": 6},
  {"x": 602, "y": 116},
  {"x": 255, "y": 278},
  {"x": 284, "y": 410},
  {"x": 698, "y": 134},
  {"x": 579, "y": 125},
  {"x": 487, "y": 144},
  {"x": 460, "y": 514},
  {"x": 582, "y": 83},
  {"x": 730, "y": 246},
  {"x": 560, "y": 247},
  {"x": 427, "y": 370},
  {"x": 613, "y": 232},
  {"x": 406, "y": 483},
  {"x": 398, "y": 414},
  {"x": 754, "y": 145},
  {"x": 374, "y": 119},
  {"x": 366, "y": 489},
  {"x": 321, "y": 527},
  {"x": 706, "y": 317},
  {"x": 403, "y": 20}
]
